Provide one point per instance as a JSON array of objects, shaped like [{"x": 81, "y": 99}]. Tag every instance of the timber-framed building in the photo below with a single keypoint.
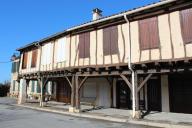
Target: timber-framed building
[{"x": 139, "y": 59}]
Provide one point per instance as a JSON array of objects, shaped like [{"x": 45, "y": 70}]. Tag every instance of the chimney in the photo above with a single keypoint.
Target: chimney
[{"x": 97, "y": 14}]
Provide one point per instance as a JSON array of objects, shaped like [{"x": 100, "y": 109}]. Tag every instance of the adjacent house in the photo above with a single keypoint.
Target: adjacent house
[{"x": 139, "y": 59}]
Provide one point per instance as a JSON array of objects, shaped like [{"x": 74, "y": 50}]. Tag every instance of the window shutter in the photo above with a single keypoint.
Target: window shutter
[
  {"x": 87, "y": 45},
  {"x": 32, "y": 85},
  {"x": 13, "y": 85},
  {"x": 106, "y": 41},
  {"x": 38, "y": 88},
  {"x": 148, "y": 33},
  {"x": 34, "y": 58},
  {"x": 25, "y": 57},
  {"x": 186, "y": 25},
  {"x": 81, "y": 46},
  {"x": 84, "y": 45},
  {"x": 114, "y": 40}
]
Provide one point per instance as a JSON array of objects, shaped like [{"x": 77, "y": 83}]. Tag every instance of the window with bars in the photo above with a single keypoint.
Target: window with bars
[
  {"x": 84, "y": 45},
  {"x": 149, "y": 33},
  {"x": 34, "y": 58},
  {"x": 186, "y": 26},
  {"x": 110, "y": 40},
  {"x": 25, "y": 57}
]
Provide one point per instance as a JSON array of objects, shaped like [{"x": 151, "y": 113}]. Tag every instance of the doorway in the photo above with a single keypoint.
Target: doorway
[
  {"x": 123, "y": 95},
  {"x": 154, "y": 94}
]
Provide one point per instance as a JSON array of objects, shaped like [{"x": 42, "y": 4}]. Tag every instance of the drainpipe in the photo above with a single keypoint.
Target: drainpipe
[{"x": 132, "y": 71}]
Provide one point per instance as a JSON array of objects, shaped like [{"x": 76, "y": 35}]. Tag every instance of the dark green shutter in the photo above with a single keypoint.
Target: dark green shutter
[
  {"x": 32, "y": 86},
  {"x": 38, "y": 88},
  {"x": 13, "y": 85}
]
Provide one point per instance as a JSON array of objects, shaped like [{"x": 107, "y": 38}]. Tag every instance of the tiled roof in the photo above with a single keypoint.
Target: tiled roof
[{"x": 99, "y": 20}]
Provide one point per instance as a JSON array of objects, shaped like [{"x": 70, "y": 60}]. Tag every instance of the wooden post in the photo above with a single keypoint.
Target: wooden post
[
  {"x": 77, "y": 94},
  {"x": 72, "y": 107},
  {"x": 40, "y": 81},
  {"x": 136, "y": 112}
]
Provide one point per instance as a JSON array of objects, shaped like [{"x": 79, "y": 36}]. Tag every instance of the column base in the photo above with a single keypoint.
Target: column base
[
  {"x": 136, "y": 115},
  {"x": 77, "y": 110},
  {"x": 21, "y": 101},
  {"x": 43, "y": 104},
  {"x": 71, "y": 109}
]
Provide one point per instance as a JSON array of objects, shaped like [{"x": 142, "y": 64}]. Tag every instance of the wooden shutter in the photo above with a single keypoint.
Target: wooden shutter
[
  {"x": 84, "y": 45},
  {"x": 25, "y": 57},
  {"x": 114, "y": 40},
  {"x": 106, "y": 41},
  {"x": 148, "y": 33},
  {"x": 81, "y": 46},
  {"x": 87, "y": 45},
  {"x": 34, "y": 58},
  {"x": 110, "y": 40},
  {"x": 186, "y": 25}
]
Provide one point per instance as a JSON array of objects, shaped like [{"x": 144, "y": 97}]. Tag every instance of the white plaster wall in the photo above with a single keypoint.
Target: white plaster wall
[{"x": 99, "y": 89}]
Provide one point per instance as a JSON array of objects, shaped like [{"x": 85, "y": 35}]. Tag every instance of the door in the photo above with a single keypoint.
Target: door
[
  {"x": 154, "y": 94},
  {"x": 63, "y": 91},
  {"x": 180, "y": 89},
  {"x": 123, "y": 95}
]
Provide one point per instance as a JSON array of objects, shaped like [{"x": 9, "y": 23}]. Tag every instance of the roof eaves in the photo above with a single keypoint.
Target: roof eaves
[{"x": 128, "y": 12}]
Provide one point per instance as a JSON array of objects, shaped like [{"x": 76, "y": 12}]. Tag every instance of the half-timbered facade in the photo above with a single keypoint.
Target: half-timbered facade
[{"x": 137, "y": 59}]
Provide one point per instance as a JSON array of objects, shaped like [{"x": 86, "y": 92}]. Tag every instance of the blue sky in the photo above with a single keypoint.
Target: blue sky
[{"x": 25, "y": 21}]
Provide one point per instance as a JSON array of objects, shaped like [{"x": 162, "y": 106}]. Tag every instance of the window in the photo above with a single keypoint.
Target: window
[
  {"x": 34, "y": 58},
  {"x": 186, "y": 26},
  {"x": 25, "y": 57},
  {"x": 84, "y": 45},
  {"x": 148, "y": 33},
  {"x": 110, "y": 40}
]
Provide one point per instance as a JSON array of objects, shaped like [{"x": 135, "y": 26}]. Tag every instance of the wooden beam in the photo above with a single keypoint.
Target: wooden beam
[
  {"x": 82, "y": 82},
  {"x": 70, "y": 83},
  {"x": 144, "y": 82},
  {"x": 126, "y": 81}
]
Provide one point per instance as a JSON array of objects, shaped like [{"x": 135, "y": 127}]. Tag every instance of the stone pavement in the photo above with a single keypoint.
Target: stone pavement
[
  {"x": 12, "y": 116},
  {"x": 159, "y": 119}
]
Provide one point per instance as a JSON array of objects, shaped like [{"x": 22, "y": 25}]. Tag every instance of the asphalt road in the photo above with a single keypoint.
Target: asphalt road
[{"x": 17, "y": 117}]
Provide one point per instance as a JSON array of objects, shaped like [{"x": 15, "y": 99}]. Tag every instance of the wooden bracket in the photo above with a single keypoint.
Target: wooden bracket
[
  {"x": 144, "y": 82},
  {"x": 82, "y": 82},
  {"x": 126, "y": 81}
]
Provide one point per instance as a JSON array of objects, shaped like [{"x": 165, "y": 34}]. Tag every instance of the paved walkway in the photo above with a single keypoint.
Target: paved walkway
[
  {"x": 160, "y": 119},
  {"x": 12, "y": 116}
]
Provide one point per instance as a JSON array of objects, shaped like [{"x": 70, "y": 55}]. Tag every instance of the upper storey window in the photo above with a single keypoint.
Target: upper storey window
[
  {"x": 34, "y": 58},
  {"x": 186, "y": 25},
  {"x": 148, "y": 33},
  {"x": 110, "y": 40},
  {"x": 25, "y": 58},
  {"x": 84, "y": 45}
]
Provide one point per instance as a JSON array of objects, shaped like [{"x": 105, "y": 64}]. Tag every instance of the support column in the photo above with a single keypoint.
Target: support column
[
  {"x": 22, "y": 91},
  {"x": 72, "y": 107},
  {"x": 41, "y": 83},
  {"x": 165, "y": 93},
  {"x": 77, "y": 94},
  {"x": 135, "y": 105}
]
